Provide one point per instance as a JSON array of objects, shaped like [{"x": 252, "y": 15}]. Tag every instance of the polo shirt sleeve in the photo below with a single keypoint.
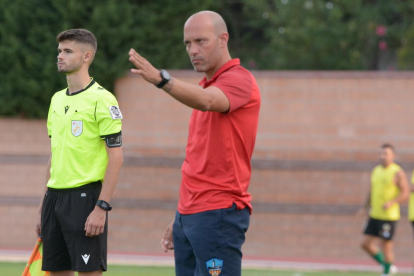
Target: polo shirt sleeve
[
  {"x": 237, "y": 85},
  {"x": 108, "y": 115}
]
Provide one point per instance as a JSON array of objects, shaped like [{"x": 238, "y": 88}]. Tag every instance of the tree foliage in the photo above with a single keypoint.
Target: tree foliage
[
  {"x": 265, "y": 34},
  {"x": 28, "y": 30},
  {"x": 324, "y": 34}
]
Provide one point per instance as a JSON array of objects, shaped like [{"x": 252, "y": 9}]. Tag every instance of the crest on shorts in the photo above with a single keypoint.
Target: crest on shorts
[
  {"x": 386, "y": 228},
  {"x": 115, "y": 112},
  {"x": 214, "y": 266},
  {"x": 77, "y": 128}
]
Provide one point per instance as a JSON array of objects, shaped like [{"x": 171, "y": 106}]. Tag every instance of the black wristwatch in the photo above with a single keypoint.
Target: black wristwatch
[
  {"x": 165, "y": 79},
  {"x": 103, "y": 205}
]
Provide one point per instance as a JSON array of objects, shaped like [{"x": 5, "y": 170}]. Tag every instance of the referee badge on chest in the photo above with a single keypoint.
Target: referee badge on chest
[{"x": 77, "y": 128}]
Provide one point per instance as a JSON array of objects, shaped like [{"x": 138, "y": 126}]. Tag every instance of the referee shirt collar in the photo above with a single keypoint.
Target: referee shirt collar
[{"x": 92, "y": 82}]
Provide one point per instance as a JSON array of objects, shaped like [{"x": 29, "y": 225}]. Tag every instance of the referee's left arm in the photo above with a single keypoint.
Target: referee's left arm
[
  {"x": 115, "y": 160},
  {"x": 96, "y": 221}
]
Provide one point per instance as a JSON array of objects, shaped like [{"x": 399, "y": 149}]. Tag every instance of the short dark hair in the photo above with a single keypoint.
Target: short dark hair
[
  {"x": 388, "y": 146},
  {"x": 78, "y": 35}
]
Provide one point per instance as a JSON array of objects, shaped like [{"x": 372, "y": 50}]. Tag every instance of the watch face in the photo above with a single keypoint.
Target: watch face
[
  {"x": 104, "y": 205},
  {"x": 165, "y": 75}
]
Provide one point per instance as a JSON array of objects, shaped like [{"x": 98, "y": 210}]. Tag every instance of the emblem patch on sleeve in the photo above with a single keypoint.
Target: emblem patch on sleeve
[
  {"x": 115, "y": 112},
  {"x": 77, "y": 128},
  {"x": 214, "y": 266}
]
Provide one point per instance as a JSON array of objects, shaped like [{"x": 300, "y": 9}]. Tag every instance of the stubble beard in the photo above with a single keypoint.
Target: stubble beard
[
  {"x": 198, "y": 70},
  {"x": 200, "y": 67},
  {"x": 70, "y": 68}
]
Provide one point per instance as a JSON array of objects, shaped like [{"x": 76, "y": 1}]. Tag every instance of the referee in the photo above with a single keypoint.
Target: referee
[{"x": 84, "y": 124}]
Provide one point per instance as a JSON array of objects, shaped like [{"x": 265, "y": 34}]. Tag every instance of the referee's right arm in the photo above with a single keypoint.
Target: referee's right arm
[{"x": 38, "y": 224}]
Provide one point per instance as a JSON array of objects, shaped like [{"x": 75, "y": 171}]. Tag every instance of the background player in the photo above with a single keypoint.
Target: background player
[
  {"x": 388, "y": 189},
  {"x": 411, "y": 203}
]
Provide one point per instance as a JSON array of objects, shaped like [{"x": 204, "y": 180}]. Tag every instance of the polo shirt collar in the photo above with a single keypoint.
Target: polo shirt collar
[{"x": 225, "y": 67}]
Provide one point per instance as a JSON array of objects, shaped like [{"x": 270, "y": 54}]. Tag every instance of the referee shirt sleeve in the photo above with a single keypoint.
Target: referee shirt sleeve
[{"x": 108, "y": 115}]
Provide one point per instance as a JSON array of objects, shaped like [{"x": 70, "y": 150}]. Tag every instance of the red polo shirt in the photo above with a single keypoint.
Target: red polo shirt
[{"x": 216, "y": 170}]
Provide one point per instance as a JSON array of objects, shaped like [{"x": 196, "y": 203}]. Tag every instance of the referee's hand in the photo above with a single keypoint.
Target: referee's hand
[
  {"x": 38, "y": 225},
  {"x": 95, "y": 223}
]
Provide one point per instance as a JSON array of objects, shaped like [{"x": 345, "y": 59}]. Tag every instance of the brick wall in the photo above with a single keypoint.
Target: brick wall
[{"x": 318, "y": 138}]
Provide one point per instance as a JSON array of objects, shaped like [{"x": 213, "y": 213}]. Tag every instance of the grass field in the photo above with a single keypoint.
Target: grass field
[{"x": 12, "y": 269}]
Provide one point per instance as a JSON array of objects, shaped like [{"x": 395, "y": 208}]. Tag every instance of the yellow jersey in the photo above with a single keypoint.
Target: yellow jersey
[
  {"x": 411, "y": 204},
  {"x": 383, "y": 190}
]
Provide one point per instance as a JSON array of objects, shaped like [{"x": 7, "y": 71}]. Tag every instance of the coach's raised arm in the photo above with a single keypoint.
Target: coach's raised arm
[{"x": 205, "y": 99}]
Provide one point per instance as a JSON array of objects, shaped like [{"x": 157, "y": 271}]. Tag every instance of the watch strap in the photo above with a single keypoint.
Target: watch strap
[
  {"x": 103, "y": 205},
  {"x": 163, "y": 82}
]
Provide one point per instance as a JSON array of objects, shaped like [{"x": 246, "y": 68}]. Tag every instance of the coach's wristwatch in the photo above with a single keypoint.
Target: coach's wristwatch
[
  {"x": 165, "y": 79},
  {"x": 103, "y": 205}
]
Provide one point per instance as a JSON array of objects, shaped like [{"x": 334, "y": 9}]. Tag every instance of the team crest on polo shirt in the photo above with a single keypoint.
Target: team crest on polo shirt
[
  {"x": 214, "y": 266},
  {"x": 77, "y": 128},
  {"x": 115, "y": 112}
]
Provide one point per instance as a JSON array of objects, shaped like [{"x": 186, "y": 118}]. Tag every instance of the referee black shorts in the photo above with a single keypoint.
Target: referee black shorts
[{"x": 65, "y": 246}]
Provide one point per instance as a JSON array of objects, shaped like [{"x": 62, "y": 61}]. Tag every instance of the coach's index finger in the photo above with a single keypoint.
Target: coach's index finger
[
  {"x": 133, "y": 52},
  {"x": 134, "y": 55}
]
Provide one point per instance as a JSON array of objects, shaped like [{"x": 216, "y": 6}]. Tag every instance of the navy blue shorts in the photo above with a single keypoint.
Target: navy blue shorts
[{"x": 209, "y": 243}]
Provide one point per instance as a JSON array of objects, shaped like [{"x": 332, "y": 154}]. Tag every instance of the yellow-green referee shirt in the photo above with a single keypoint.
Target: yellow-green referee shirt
[{"x": 77, "y": 125}]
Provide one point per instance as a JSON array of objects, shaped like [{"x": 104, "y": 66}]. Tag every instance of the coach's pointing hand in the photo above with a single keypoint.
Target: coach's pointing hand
[{"x": 144, "y": 68}]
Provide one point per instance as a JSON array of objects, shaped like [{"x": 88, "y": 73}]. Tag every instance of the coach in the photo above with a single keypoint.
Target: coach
[{"x": 214, "y": 207}]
